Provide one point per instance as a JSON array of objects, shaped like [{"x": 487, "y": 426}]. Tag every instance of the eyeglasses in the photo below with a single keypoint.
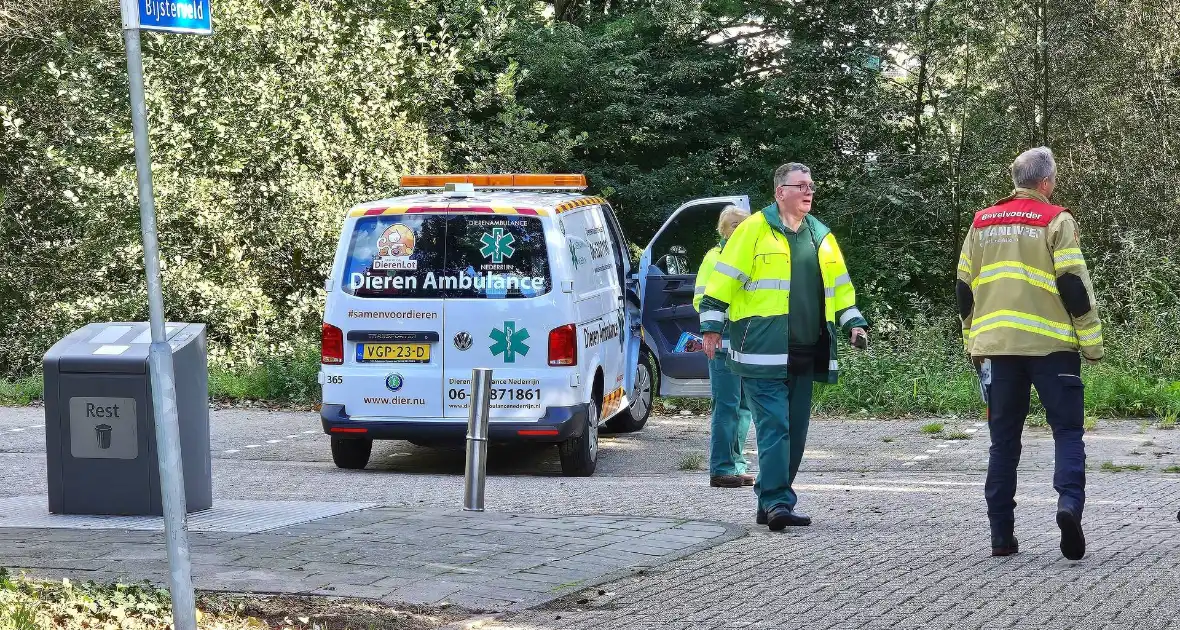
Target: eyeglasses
[{"x": 801, "y": 187}]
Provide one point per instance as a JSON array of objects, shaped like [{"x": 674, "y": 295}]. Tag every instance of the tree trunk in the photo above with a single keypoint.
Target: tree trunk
[
  {"x": 923, "y": 78},
  {"x": 920, "y": 104},
  {"x": 1043, "y": 51}
]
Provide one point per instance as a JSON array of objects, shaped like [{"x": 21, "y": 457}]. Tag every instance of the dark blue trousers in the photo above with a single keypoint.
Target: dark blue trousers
[{"x": 1058, "y": 380}]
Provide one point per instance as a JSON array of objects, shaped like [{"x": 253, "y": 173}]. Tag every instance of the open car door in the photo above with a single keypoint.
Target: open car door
[{"x": 667, "y": 281}]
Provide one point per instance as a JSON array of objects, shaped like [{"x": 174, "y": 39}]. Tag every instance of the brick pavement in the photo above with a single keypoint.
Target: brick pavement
[
  {"x": 913, "y": 561},
  {"x": 477, "y": 561},
  {"x": 900, "y": 538}
]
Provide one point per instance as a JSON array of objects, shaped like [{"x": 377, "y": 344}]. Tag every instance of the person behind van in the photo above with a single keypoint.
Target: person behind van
[
  {"x": 731, "y": 417},
  {"x": 783, "y": 289}
]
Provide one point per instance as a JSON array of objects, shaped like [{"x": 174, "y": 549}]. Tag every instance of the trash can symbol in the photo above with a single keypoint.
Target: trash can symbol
[{"x": 104, "y": 435}]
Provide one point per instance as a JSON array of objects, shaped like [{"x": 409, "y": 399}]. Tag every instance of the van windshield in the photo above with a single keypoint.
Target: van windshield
[{"x": 447, "y": 256}]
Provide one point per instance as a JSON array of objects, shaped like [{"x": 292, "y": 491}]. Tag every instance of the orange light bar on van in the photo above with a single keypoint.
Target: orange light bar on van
[{"x": 520, "y": 181}]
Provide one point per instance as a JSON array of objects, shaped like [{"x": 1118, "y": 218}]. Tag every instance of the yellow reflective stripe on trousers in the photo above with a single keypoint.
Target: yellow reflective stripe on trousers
[
  {"x": 759, "y": 359},
  {"x": 1023, "y": 321},
  {"x": 1014, "y": 270},
  {"x": 1069, "y": 257}
]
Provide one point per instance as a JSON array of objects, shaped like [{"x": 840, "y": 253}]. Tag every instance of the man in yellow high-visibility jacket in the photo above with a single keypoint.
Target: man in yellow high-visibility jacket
[
  {"x": 731, "y": 416},
  {"x": 783, "y": 288},
  {"x": 1028, "y": 310}
]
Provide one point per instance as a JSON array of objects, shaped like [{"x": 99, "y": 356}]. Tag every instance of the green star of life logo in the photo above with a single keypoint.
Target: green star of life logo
[
  {"x": 509, "y": 342},
  {"x": 497, "y": 245}
]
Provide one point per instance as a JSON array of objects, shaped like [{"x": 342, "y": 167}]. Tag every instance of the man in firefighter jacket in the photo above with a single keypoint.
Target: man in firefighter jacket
[
  {"x": 1029, "y": 316},
  {"x": 783, "y": 288}
]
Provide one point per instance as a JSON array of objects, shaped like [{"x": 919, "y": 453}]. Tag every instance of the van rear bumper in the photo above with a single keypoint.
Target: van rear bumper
[{"x": 557, "y": 425}]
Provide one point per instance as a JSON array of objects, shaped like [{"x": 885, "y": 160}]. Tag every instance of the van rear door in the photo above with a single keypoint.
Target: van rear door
[
  {"x": 390, "y": 310},
  {"x": 500, "y": 308}
]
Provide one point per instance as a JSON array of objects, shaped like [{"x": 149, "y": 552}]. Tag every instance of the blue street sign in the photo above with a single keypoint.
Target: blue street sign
[{"x": 175, "y": 16}]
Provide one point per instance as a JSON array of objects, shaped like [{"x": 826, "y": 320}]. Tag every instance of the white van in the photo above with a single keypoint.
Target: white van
[{"x": 517, "y": 273}]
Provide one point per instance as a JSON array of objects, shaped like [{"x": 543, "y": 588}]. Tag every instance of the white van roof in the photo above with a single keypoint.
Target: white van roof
[{"x": 556, "y": 202}]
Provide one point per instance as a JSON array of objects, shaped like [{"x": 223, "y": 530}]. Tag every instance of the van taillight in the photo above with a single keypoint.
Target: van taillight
[
  {"x": 331, "y": 345},
  {"x": 563, "y": 345}
]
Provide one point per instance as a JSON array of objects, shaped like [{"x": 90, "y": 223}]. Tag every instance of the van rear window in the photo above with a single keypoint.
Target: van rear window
[{"x": 447, "y": 256}]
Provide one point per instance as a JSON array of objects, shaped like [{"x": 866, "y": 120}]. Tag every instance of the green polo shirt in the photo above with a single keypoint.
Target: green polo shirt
[{"x": 806, "y": 319}]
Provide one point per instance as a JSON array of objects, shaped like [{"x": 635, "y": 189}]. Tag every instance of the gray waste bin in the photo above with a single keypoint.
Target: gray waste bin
[{"x": 100, "y": 439}]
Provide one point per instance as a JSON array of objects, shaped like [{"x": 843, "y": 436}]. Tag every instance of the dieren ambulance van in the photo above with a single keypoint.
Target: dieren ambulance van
[{"x": 522, "y": 274}]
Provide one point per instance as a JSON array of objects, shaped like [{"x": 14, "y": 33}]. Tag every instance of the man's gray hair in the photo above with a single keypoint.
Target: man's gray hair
[
  {"x": 1033, "y": 166},
  {"x": 783, "y": 172}
]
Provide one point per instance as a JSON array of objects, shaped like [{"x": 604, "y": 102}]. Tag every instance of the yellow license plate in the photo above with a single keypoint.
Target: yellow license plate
[{"x": 394, "y": 352}]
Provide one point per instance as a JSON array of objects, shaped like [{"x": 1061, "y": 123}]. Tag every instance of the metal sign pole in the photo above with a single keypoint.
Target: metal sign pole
[{"x": 163, "y": 379}]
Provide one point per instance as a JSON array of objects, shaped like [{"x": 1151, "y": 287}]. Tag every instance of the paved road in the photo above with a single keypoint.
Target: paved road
[{"x": 900, "y": 538}]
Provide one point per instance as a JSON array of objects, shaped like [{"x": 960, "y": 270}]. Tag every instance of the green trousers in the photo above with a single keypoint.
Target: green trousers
[
  {"x": 782, "y": 411},
  {"x": 731, "y": 420}
]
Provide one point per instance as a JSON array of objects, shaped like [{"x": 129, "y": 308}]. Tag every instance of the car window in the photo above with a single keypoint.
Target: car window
[
  {"x": 621, "y": 246},
  {"x": 398, "y": 255},
  {"x": 497, "y": 256},
  {"x": 447, "y": 256},
  {"x": 682, "y": 246}
]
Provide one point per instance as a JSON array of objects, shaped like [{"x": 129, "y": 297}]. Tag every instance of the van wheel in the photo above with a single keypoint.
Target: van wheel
[
  {"x": 579, "y": 456},
  {"x": 351, "y": 453},
  {"x": 634, "y": 417}
]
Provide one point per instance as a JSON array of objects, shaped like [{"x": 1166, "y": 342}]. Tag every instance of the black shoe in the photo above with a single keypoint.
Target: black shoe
[
  {"x": 799, "y": 519},
  {"x": 781, "y": 516},
  {"x": 725, "y": 481},
  {"x": 1004, "y": 545},
  {"x": 760, "y": 517},
  {"x": 1073, "y": 542}
]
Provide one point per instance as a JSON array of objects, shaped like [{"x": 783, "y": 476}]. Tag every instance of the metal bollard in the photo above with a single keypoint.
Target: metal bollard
[{"x": 477, "y": 439}]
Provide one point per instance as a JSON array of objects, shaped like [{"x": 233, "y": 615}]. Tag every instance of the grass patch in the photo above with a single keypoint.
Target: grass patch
[
  {"x": 958, "y": 435},
  {"x": 1089, "y": 424},
  {"x": 923, "y": 371},
  {"x": 887, "y": 440},
  {"x": 1172, "y": 469},
  {"x": 692, "y": 461},
  {"x": 27, "y": 604},
  {"x": 918, "y": 371},
  {"x": 291, "y": 379},
  {"x": 565, "y": 585},
  {"x": 932, "y": 428},
  {"x": 670, "y": 406},
  {"x": 1113, "y": 467},
  {"x": 20, "y": 392}
]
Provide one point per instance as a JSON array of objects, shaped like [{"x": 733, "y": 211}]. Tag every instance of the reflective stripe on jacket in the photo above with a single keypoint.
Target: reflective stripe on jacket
[{"x": 703, "y": 274}]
